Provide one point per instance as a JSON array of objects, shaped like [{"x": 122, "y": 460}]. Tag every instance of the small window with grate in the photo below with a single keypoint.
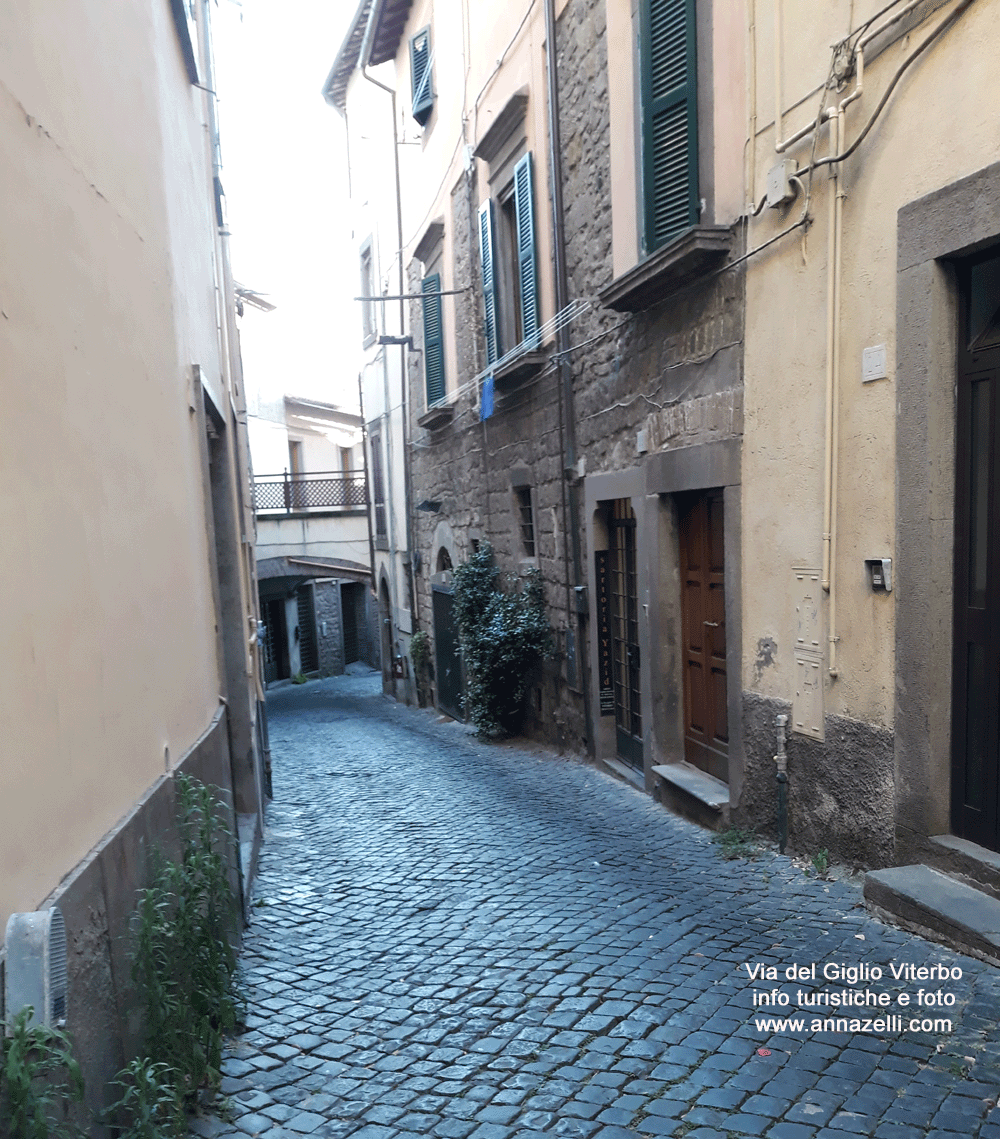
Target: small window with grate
[{"x": 526, "y": 519}]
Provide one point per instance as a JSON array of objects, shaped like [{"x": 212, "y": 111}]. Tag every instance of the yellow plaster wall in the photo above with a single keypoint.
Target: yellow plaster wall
[
  {"x": 938, "y": 127},
  {"x": 107, "y": 297}
]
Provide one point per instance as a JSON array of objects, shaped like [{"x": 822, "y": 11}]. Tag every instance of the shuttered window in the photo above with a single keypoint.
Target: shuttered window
[
  {"x": 524, "y": 207},
  {"x": 487, "y": 258},
  {"x": 433, "y": 338},
  {"x": 669, "y": 119},
  {"x": 510, "y": 265},
  {"x": 420, "y": 75},
  {"x": 378, "y": 484}
]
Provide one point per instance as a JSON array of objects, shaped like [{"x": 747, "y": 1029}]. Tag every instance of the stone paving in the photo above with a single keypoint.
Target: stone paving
[{"x": 474, "y": 941}]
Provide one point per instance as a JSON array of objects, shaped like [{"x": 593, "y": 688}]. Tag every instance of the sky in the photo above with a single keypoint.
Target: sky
[{"x": 285, "y": 178}]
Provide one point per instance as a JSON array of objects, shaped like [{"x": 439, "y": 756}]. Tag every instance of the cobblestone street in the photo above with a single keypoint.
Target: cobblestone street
[{"x": 459, "y": 939}]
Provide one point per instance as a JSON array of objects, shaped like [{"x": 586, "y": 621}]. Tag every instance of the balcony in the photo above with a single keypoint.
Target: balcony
[{"x": 312, "y": 493}]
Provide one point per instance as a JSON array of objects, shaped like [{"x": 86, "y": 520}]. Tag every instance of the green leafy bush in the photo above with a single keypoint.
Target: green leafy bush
[
  {"x": 184, "y": 963},
  {"x": 504, "y": 634},
  {"x": 39, "y": 1079}
]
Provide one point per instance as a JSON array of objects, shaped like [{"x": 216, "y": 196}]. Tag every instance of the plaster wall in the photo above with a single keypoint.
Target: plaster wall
[
  {"x": 268, "y": 447},
  {"x": 910, "y": 151},
  {"x": 108, "y": 295},
  {"x": 343, "y": 536},
  {"x": 465, "y": 107}
]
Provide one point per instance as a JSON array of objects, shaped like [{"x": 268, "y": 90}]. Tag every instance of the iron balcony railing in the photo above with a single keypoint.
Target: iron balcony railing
[{"x": 317, "y": 490}]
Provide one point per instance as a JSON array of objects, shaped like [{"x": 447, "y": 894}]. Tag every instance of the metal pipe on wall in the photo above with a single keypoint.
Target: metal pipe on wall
[
  {"x": 363, "y": 59},
  {"x": 567, "y": 412}
]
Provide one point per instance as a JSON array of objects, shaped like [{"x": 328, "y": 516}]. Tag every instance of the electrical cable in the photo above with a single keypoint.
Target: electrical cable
[{"x": 912, "y": 57}]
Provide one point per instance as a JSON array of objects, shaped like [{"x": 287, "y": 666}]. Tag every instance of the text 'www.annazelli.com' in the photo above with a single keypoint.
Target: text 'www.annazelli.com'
[
  {"x": 882, "y": 1026},
  {"x": 911, "y": 1009}
]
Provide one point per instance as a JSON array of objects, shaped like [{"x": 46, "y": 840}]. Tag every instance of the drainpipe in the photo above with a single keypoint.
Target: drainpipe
[
  {"x": 832, "y": 441},
  {"x": 369, "y": 502},
  {"x": 781, "y": 759},
  {"x": 567, "y": 414},
  {"x": 366, "y": 44}
]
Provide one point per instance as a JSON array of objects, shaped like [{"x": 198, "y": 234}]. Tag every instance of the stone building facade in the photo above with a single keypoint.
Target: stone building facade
[{"x": 707, "y": 401}]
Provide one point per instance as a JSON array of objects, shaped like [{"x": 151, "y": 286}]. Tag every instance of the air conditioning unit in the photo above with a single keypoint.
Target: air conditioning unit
[{"x": 35, "y": 971}]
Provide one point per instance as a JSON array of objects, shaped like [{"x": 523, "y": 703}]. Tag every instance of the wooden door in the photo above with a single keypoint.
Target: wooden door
[
  {"x": 703, "y": 623},
  {"x": 975, "y": 782}
]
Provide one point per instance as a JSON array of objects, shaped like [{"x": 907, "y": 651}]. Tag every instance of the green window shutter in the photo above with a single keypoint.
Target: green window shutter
[
  {"x": 420, "y": 75},
  {"x": 669, "y": 119},
  {"x": 524, "y": 213},
  {"x": 487, "y": 256},
  {"x": 433, "y": 338}
]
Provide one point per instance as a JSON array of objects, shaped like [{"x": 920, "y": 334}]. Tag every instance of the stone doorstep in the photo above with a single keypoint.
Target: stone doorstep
[
  {"x": 934, "y": 904},
  {"x": 699, "y": 784},
  {"x": 692, "y": 794},
  {"x": 957, "y": 857}
]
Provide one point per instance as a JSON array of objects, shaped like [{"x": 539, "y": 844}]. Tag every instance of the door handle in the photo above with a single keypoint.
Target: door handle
[{"x": 711, "y": 624}]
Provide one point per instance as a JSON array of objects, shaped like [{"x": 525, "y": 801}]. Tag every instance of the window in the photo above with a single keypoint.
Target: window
[
  {"x": 526, "y": 520},
  {"x": 507, "y": 254},
  {"x": 669, "y": 119},
  {"x": 433, "y": 339},
  {"x": 421, "y": 63},
  {"x": 369, "y": 326},
  {"x": 296, "y": 484},
  {"x": 378, "y": 486}
]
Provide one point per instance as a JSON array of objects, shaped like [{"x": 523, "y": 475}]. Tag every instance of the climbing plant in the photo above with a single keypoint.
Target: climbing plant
[{"x": 504, "y": 633}]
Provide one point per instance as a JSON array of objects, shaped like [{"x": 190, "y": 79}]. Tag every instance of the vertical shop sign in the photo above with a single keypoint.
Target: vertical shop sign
[{"x": 604, "y": 661}]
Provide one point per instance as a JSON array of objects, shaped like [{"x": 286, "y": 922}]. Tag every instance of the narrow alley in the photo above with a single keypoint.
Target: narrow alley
[{"x": 459, "y": 939}]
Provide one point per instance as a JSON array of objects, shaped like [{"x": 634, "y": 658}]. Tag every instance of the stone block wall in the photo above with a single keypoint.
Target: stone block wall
[
  {"x": 466, "y": 466},
  {"x": 330, "y": 646}
]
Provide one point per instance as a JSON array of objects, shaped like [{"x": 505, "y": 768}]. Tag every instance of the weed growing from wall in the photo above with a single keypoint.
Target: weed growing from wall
[
  {"x": 504, "y": 634},
  {"x": 148, "y": 1102},
  {"x": 39, "y": 1079},
  {"x": 184, "y": 963}
]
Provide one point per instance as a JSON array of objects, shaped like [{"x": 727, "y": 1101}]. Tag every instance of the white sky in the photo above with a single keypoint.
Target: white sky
[{"x": 285, "y": 177}]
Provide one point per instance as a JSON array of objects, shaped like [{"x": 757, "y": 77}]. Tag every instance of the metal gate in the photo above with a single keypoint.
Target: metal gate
[
  {"x": 625, "y": 631},
  {"x": 350, "y": 595},
  {"x": 275, "y": 640},
  {"x": 308, "y": 656},
  {"x": 448, "y": 663}
]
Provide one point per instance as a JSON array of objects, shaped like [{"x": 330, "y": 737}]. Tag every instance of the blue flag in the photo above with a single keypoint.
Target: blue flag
[{"x": 486, "y": 401}]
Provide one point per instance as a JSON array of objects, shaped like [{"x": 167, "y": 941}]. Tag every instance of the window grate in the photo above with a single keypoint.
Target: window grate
[{"x": 527, "y": 521}]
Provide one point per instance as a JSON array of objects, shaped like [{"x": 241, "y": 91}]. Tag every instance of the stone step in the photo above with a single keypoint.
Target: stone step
[
  {"x": 964, "y": 860},
  {"x": 937, "y": 906},
  {"x": 693, "y": 793}
]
